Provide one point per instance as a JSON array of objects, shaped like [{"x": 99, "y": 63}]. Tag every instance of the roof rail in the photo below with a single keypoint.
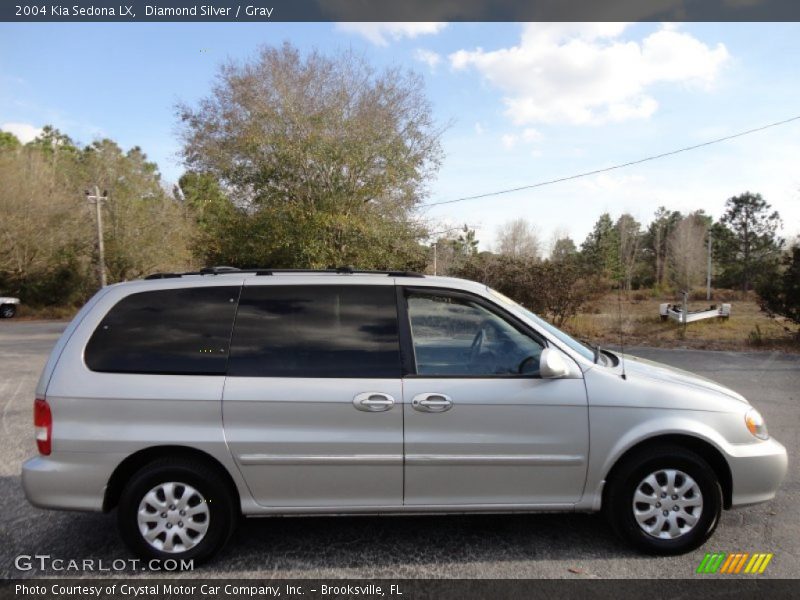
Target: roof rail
[
  {"x": 345, "y": 270},
  {"x": 340, "y": 271},
  {"x": 218, "y": 270}
]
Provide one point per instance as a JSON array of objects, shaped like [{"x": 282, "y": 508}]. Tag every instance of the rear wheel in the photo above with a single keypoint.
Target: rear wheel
[
  {"x": 7, "y": 311},
  {"x": 176, "y": 509},
  {"x": 664, "y": 501}
]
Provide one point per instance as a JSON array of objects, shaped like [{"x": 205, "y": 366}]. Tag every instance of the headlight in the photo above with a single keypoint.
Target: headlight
[{"x": 755, "y": 424}]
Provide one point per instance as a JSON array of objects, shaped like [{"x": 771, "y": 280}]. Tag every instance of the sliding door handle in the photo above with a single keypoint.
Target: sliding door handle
[
  {"x": 432, "y": 403},
  {"x": 373, "y": 401}
]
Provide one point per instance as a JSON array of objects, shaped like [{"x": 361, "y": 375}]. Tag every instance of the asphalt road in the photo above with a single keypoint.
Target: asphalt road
[{"x": 509, "y": 546}]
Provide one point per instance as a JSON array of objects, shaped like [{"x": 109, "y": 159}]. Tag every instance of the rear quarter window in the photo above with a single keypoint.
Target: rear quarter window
[{"x": 177, "y": 331}]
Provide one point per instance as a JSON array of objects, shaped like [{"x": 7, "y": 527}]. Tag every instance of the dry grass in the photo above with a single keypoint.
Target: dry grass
[
  {"x": 29, "y": 313},
  {"x": 748, "y": 328}
]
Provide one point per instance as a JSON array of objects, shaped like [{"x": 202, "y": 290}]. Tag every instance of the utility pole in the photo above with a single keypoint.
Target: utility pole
[
  {"x": 708, "y": 269},
  {"x": 435, "y": 246},
  {"x": 97, "y": 200}
]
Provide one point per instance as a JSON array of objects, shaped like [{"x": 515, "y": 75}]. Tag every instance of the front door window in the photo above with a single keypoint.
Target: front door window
[{"x": 456, "y": 336}]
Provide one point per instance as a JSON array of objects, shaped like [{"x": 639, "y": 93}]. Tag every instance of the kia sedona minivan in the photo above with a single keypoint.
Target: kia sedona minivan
[{"x": 184, "y": 401}]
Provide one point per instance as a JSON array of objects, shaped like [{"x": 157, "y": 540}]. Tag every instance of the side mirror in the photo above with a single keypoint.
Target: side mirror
[{"x": 552, "y": 364}]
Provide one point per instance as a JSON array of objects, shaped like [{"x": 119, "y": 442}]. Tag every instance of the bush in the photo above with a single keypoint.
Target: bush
[
  {"x": 558, "y": 290},
  {"x": 63, "y": 285},
  {"x": 781, "y": 295}
]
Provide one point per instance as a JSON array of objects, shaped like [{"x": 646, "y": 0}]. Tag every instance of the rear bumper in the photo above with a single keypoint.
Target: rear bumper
[
  {"x": 71, "y": 481},
  {"x": 758, "y": 470}
]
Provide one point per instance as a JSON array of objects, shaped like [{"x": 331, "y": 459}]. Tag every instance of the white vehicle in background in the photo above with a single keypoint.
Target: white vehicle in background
[{"x": 8, "y": 307}]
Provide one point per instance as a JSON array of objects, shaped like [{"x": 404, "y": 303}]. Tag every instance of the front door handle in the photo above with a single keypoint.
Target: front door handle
[
  {"x": 432, "y": 403},
  {"x": 373, "y": 401}
]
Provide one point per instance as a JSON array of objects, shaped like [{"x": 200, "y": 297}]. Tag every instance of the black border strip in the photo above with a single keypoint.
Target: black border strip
[
  {"x": 406, "y": 10},
  {"x": 730, "y": 588}
]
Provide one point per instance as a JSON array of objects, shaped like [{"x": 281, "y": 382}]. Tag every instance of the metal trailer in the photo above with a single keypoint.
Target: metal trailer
[{"x": 681, "y": 313}]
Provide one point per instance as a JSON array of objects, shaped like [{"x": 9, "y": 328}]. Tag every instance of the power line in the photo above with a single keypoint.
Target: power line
[{"x": 612, "y": 168}]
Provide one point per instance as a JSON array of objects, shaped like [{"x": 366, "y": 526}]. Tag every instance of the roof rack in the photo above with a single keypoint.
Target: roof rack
[
  {"x": 221, "y": 270},
  {"x": 217, "y": 270}
]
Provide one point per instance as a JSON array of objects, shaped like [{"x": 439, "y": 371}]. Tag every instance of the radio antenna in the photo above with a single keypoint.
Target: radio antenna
[{"x": 621, "y": 334}]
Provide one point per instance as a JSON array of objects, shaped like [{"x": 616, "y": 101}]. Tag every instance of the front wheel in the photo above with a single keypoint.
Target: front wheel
[
  {"x": 7, "y": 311},
  {"x": 180, "y": 510},
  {"x": 665, "y": 501}
]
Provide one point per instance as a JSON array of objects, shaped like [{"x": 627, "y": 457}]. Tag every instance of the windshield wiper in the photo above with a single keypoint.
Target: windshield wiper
[
  {"x": 597, "y": 354},
  {"x": 595, "y": 348}
]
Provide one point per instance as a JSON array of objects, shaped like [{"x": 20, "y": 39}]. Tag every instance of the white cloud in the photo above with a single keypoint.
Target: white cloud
[
  {"x": 479, "y": 129},
  {"x": 509, "y": 140},
  {"x": 381, "y": 33},
  {"x": 529, "y": 135},
  {"x": 25, "y": 132},
  {"x": 430, "y": 58},
  {"x": 586, "y": 73}
]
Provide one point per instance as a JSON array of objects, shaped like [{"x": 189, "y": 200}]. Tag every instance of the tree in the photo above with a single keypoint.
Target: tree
[
  {"x": 563, "y": 250},
  {"x": 781, "y": 295},
  {"x": 218, "y": 221},
  {"x": 600, "y": 250},
  {"x": 687, "y": 250},
  {"x": 746, "y": 244},
  {"x": 47, "y": 232},
  {"x": 656, "y": 245},
  {"x": 630, "y": 237},
  {"x": 8, "y": 141},
  {"x": 452, "y": 251},
  {"x": 51, "y": 141},
  {"x": 139, "y": 214},
  {"x": 518, "y": 238},
  {"x": 466, "y": 243},
  {"x": 325, "y": 158}
]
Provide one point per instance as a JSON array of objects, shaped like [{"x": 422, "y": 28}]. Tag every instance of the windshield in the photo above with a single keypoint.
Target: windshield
[{"x": 582, "y": 349}]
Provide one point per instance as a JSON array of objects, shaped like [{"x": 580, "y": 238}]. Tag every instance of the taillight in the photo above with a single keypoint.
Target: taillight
[{"x": 43, "y": 425}]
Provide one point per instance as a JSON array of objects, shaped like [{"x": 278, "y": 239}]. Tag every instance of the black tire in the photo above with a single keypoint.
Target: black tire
[
  {"x": 7, "y": 311},
  {"x": 211, "y": 485},
  {"x": 626, "y": 477}
]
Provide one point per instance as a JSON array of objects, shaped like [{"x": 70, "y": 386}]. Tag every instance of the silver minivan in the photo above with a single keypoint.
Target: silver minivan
[{"x": 187, "y": 400}]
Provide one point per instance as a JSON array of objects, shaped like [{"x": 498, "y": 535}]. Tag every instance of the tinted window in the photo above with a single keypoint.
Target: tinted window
[
  {"x": 457, "y": 336},
  {"x": 182, "y": 331},
  {"x": 316, "y": 331}
]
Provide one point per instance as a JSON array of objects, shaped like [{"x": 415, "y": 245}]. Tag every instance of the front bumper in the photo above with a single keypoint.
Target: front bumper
[{"x": 757, "y": 470}]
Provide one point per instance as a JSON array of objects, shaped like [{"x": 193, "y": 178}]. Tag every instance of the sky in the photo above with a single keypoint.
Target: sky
[{"x": 522, "y": 103}]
